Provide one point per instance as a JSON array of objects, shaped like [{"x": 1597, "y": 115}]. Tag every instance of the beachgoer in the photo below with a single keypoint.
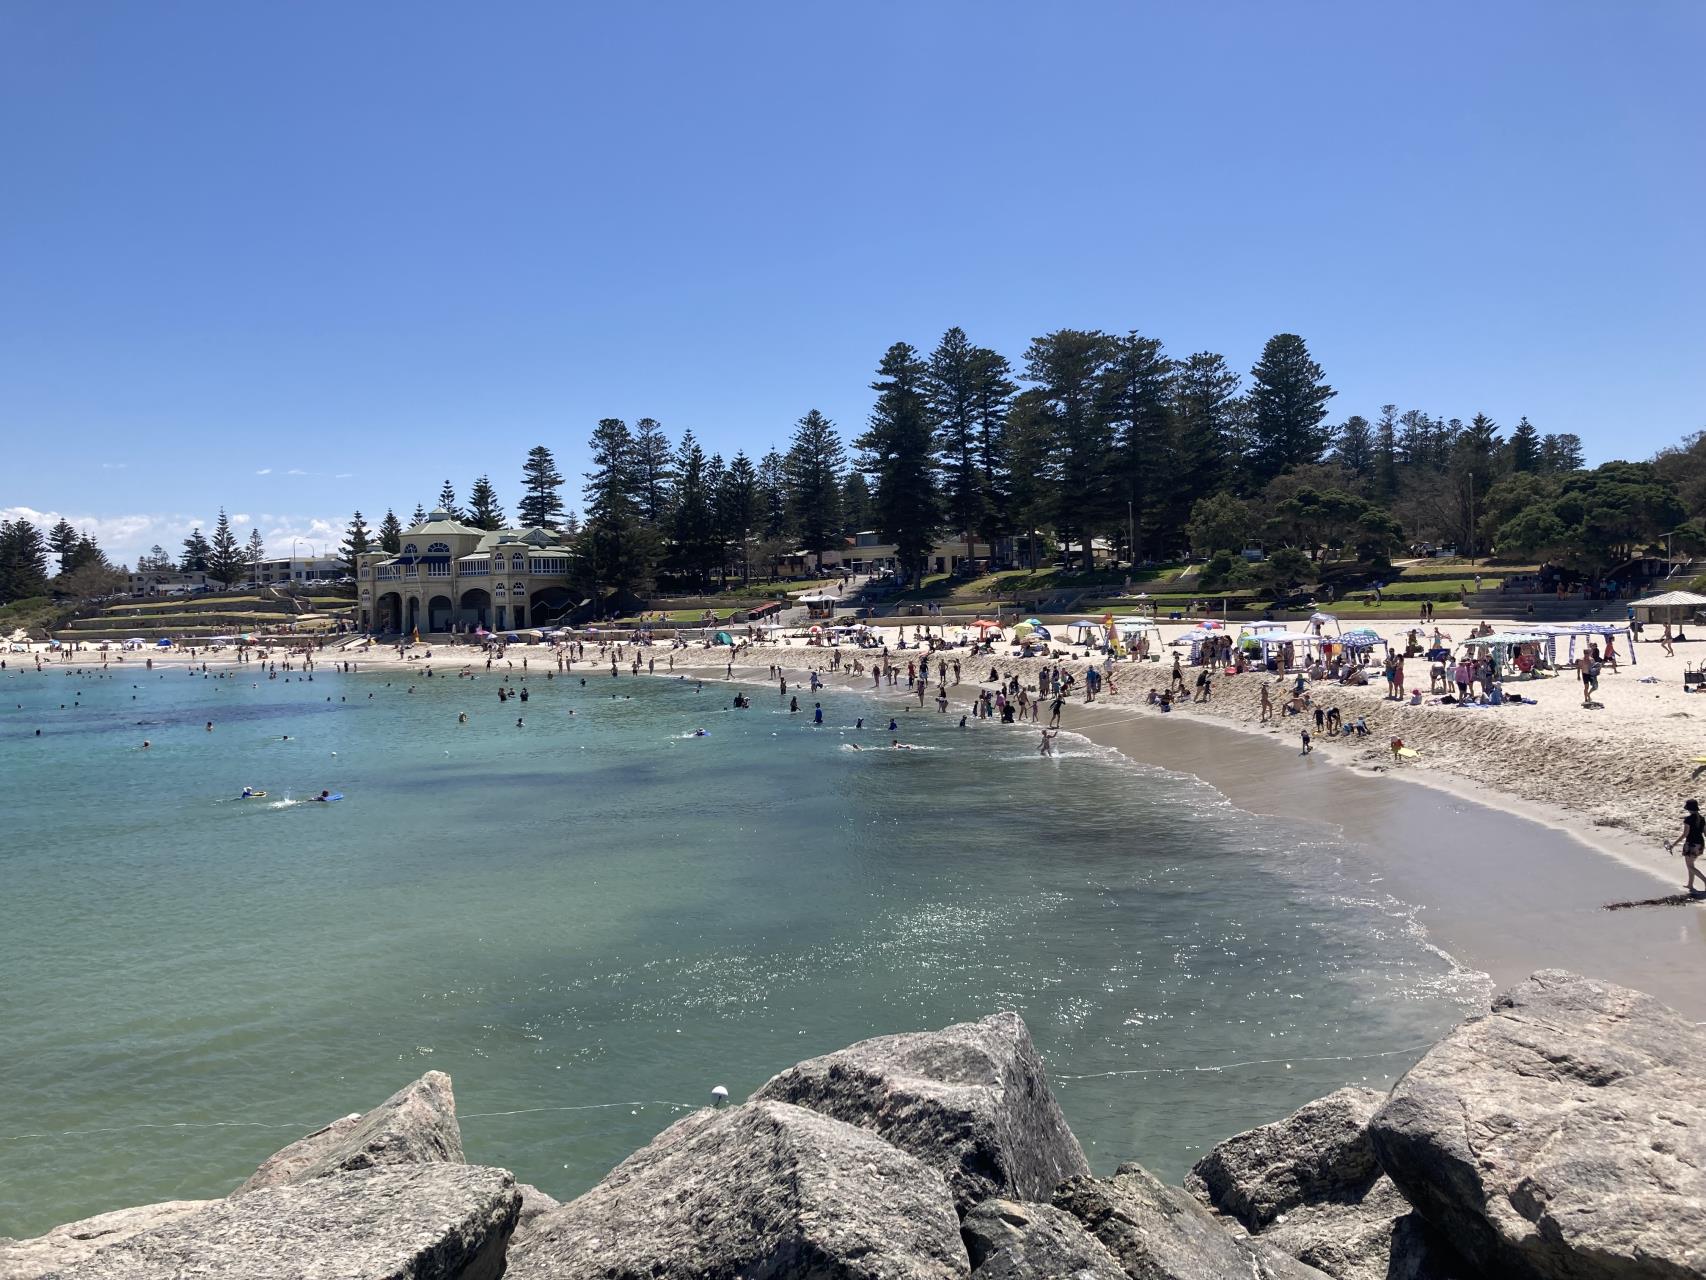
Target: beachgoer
[
  {"x": 1693, "y": 841},
  {"x": 1047, "y": 748},
  {"x": 1307, "y": 746}
]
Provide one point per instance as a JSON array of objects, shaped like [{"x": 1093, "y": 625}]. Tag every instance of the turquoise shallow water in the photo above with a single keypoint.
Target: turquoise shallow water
[{"x": 591, "y": 920}]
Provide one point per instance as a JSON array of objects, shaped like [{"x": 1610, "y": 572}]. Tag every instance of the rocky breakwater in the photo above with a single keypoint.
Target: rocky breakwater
[{"x": 1553, "y": 1137}]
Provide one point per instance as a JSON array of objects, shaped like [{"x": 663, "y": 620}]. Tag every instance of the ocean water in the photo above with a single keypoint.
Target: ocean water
[{"x": 591, "y": 920}]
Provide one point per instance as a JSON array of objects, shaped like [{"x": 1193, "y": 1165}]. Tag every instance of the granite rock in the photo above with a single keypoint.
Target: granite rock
[
  {"x": 76, "y": 1242},
  {"x": 1309, "y": 1186},
  {"x": 1157, "y": 1232},
  {"x": 1562, "y": 1135},
  {"x": 1017, "y": 1240},
  {"x": 762, "y": 1191},
  {"x": 415, "y": 1125},
  {"x": 1319, "y": 1152},
  {"x": 425, "y": 1222},
  {"x": 971, "y": 1100}
]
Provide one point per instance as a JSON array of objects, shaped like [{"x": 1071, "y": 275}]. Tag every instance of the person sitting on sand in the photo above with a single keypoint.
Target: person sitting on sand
[{"x": 1693, "y": 840}]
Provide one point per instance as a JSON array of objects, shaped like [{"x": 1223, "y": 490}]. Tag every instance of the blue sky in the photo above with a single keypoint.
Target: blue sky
[{"x": 297, "y": 259}]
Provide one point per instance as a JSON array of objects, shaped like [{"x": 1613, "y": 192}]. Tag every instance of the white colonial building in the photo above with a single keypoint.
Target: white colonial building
[{"x": 450, "y": 576}]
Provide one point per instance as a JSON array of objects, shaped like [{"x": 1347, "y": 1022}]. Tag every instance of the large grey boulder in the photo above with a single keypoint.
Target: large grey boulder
[
  {"x": 429, "y": 1222},
  {"x": 1017, "y": 1240},
  {"x": 1157, "y": 1232},
  {"x": 1310, "y": 1186},
  {"x": 762, "y": 1191},
  {"x": 76, "y": 1242},
  {"x": 415, "y": 1125},
  {"x": 1319, "y": 1152},
  {"x": 1376, "y": 1236},
  {"x": 972, "y": 1100},
  {"x": 1562, "y": 1135}
]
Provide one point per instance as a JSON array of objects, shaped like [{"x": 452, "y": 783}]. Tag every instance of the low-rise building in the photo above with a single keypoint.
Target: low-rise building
[
  {"x": 448, "y": 576},
  {"x": 273, "y": 572},
  {"x": 166, "y": 582}
]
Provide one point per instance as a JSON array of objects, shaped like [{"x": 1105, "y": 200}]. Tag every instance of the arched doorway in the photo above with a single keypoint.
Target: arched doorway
[
  {"x": 550, "y": 604},
  {"x": 388, "y": 614},
  {"x": 477, "y": 607},
  {"x": 414, "y": 616},
  {"x": 438, "y": 613}
]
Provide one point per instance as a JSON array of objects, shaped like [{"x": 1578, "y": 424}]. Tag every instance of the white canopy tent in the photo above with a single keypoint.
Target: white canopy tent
[{"x": 1586, "y": 630}]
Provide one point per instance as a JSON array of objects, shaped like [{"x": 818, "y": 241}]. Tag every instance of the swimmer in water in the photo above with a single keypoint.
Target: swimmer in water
[
  {"x": 701, "y": 733},
  {"x": 324, "y": 796},
  {"x": 462, "y": 719},
  {"x": 892, "y": 725}
]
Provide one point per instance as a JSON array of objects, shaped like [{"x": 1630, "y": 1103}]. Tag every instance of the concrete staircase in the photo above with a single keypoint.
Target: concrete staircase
[{"x": 1547, "y": 607}]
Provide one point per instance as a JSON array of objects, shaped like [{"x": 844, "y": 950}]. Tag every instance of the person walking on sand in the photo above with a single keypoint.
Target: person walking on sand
[
  {"x": 1307, "y": 745},
  {"x": 1267, "y": 704},
  {"x": 1693, "y": 840}
]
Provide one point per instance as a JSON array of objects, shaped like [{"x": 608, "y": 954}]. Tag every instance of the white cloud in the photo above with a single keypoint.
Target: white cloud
[
  {"x": 264, "y": 471},
  {"x": 114, "y": 466},
  {"x": 124, "y": 537},
  {"x": 295, "y": 472},
  {"x": 343, "y": 475}
]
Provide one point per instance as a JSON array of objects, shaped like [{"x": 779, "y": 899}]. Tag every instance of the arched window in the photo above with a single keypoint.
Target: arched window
[
  {"x": 516, "y": 562},
  {"x": 439, "y": 549},
  {"x": 518, "y": 587},
  {"x": 411, "y": 549},
  {"x": 499, "y": 589}
]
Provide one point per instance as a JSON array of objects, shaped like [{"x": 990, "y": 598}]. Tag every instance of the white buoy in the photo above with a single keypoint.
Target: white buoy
[{"x": 719, "y": 1095}]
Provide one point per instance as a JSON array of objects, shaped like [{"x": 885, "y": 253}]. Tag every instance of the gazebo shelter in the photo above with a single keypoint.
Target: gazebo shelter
[{"x": 1670, "y": 606}]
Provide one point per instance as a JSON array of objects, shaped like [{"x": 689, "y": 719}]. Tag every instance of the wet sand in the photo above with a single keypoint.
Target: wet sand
[{"x": 1499, "y": 891}]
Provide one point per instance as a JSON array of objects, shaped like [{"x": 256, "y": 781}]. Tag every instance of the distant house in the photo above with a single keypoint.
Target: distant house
[{"x": 165, "y": 582}]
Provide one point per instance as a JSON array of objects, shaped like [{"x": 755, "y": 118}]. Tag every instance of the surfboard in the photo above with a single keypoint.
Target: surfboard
[
  {"x": 254, "y": 795},
  {"x": 1407, "y": 752},
  {"x": 336, "y": 795}
]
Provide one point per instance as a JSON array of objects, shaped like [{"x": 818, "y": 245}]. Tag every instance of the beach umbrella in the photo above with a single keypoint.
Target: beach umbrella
[
  {"x": 1022, "y": 629},
  {"x": 1032, "y": 622},
  {"x": 1041, "y": 633},
  {"x": 161, "y": 643},
  {"x": 512, "y": 637},
  {"x": 723, "y": 637}
]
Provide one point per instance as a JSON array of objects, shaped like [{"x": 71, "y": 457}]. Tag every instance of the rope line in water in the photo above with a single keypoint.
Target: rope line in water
[
  {"x": 588, "y": 1106},
  {"x": 1253, "y": 1062},
  {"x": 313, "y": 1126}
]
